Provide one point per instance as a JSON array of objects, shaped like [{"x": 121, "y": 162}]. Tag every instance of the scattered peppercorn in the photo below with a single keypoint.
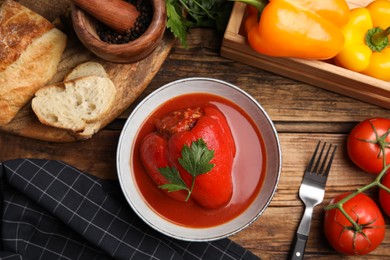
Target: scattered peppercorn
[{"x": 142, "y": 23}]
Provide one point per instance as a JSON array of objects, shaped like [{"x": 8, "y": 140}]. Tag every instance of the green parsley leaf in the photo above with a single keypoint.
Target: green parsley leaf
[
  {"x": 195, "y": 160},
  {"x": 173, "y": 177},
  {"x": 177, "y": 24},
  {"x": 185, "y": 14}
]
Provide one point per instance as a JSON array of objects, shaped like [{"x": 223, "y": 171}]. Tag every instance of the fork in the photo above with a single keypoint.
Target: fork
[{"x": 311, "y": 192}]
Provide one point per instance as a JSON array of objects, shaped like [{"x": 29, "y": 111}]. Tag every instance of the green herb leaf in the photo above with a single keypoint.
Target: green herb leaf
[
  {"x": 185, "y": 14},
  {"x": 177, "y": 24},
  {"x": 173, "y": 177},
  {"x": 195, "y": 160}
]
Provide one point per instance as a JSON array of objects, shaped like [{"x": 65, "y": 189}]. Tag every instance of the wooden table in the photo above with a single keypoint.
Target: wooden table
[{"x": 302, "y": 114}]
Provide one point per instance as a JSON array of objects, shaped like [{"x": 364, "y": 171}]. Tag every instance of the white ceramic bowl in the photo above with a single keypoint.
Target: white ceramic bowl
[{"x": 186, "y": 86}]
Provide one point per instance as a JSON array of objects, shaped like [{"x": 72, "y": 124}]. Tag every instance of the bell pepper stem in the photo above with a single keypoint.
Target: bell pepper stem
[{"x": 377, "y": 39}]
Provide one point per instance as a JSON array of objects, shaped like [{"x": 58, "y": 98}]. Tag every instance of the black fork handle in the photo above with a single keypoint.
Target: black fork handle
[{"x": 298, "y": 247}]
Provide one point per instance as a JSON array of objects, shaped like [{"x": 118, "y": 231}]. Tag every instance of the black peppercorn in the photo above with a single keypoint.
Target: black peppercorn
[{"x": 141, "y": 24}]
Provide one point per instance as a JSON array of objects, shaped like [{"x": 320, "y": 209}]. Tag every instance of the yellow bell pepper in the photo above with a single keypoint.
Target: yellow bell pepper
[
  {"x": 367, "y": 41},
  {"x": 309, "y": 29}
]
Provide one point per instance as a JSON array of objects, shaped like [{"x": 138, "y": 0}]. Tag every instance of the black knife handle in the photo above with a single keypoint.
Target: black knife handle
[{"x": 298, "y": 247}]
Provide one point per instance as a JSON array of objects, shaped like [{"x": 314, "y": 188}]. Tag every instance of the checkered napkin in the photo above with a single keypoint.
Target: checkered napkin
[{"x": 51, "y": 210}]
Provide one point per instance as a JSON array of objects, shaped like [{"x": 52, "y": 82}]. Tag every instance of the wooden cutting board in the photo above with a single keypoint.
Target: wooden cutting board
[{"x": 129, "y": 79}]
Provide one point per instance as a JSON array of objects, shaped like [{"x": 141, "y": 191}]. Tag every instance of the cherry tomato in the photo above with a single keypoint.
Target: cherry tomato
[
  {"x": 363, "y": 144},
  {"x": 342, "y": 235},
  {"x": 384, "y": 196}
]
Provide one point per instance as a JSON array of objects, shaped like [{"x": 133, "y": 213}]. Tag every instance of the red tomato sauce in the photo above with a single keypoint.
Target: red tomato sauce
[{"x": 248, "y": 166}]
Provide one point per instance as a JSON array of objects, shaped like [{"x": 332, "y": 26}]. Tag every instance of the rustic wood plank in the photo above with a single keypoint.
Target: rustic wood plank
[
  {"x": 302, "y": 115},
  {"x": 95, "y": 156}
]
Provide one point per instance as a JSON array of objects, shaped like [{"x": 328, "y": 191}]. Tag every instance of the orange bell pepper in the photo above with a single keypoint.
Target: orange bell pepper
[{"x": 309, "y": 29}]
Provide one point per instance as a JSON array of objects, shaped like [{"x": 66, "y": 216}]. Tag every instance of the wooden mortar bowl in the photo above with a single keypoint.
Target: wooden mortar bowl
[{"x": 85, "y": 27}]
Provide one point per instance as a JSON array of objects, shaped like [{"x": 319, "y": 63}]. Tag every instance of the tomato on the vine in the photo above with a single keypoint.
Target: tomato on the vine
[
  {"x": 365, "y": 141},
  {"x": 384, "y": 196},
  {"x": 365, "y": 236}
]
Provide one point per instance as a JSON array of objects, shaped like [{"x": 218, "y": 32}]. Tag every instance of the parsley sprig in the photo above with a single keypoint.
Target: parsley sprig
[
  {"x": 185, "y": 14},
  {"x": 195, "y": 160}
]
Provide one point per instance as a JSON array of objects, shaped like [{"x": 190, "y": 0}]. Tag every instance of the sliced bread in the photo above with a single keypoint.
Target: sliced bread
[
  {"x": 88, "y": 68},
  {"x": 75, "y": 104}
]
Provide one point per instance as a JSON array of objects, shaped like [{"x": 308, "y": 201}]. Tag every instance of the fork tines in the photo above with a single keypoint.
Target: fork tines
[{"x": 325, "y": 162}]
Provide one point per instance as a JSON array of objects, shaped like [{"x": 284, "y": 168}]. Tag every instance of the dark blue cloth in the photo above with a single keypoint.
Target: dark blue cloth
[{"x": 50, "y": 210}]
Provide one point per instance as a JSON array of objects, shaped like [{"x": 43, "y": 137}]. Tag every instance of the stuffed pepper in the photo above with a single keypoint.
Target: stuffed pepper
[{"x": 190, "y": 155}]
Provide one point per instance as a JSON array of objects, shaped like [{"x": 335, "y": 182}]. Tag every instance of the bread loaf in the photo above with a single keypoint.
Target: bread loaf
[
  {"x": 76, "y": 104},
  {"x": 30, "y": 51}
]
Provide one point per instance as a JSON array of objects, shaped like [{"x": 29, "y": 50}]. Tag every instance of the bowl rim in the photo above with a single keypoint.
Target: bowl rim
[{"x": 123, "y": 168}]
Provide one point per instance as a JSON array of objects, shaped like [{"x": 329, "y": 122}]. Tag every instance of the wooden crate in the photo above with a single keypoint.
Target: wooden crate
[{"x": 316, "y": 73}]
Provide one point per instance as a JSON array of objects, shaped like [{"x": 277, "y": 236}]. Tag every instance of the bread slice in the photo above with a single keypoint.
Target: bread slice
[
  {"x": 75, "y": 104},
  {"x": 88, "y": 68},
  {"x": 30, "y": 51}
]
